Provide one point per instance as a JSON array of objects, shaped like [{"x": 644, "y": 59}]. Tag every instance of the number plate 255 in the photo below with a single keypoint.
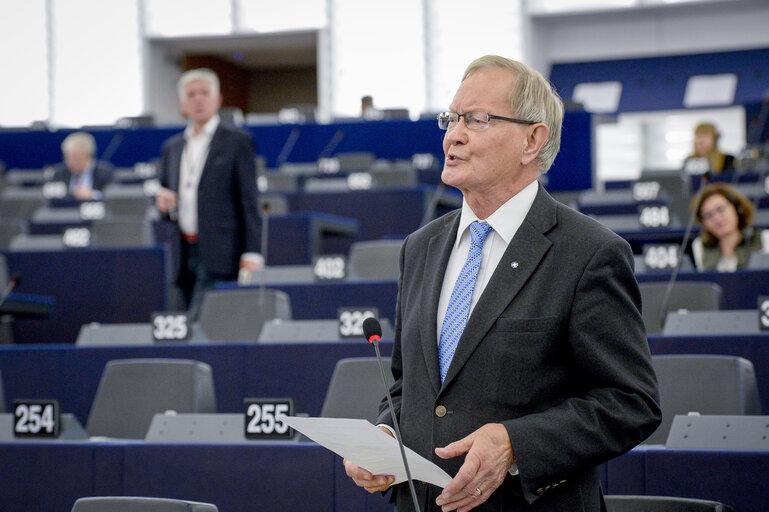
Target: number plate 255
[{"x": 261, "y": 418}]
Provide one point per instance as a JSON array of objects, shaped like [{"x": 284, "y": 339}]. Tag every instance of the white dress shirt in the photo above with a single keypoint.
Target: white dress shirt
[
  {"x": 84, "y": 179},
  {"x": 505, "y": 221},
  {"x": 191, "y": 166}
]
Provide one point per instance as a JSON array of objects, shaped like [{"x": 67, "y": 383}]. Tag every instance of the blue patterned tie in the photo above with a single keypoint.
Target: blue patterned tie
[{"x": 459, "y": 305}]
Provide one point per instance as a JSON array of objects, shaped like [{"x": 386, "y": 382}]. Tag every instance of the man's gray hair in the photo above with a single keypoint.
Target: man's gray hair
[
  {"x": 197, "y": 75},
  {"x": 79, "y": 141},
  {"x": 532, "y": 98}
]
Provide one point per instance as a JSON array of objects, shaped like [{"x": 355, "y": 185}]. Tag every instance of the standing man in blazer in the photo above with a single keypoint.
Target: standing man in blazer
[
  {"x": 520, "y": 358},
  {"x": 208, "y": 178}
]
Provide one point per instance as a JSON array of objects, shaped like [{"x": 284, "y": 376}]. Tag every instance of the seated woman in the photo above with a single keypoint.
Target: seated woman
[
  {"x": 706, "y": 155},
  {"x": 727, "y": 239}
]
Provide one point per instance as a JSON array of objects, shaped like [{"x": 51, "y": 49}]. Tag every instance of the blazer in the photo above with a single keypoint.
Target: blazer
[
  {"x": 555, "y": 350},
  {"x": 102, "y": 174},
  {"x": 228, "y": 219}
]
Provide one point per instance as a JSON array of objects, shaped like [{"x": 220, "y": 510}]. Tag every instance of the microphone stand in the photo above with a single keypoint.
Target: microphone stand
[
  {"x": 682, "y": 247},
  {"x": 374, "y": 339}
]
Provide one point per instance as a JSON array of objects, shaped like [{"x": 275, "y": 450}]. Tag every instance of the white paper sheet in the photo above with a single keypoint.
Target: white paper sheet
[{"x": 368, "y": 447}]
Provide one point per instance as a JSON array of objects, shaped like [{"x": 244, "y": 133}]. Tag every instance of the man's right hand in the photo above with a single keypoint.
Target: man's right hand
[
  {"x": 166, "y": 200},
  {"x": 362, "y": 478}
]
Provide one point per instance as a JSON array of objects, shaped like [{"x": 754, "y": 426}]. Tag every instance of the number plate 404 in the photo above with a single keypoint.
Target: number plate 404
[
  {"x": 262, "y": 421},
  {"x": 36, "y": 418}
]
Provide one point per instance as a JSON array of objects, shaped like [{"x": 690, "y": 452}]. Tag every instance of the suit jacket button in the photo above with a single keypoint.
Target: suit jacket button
[{"x": 440, "y": 411}]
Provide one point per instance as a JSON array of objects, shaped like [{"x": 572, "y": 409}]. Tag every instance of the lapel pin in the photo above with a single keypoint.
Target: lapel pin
[{"x": 514, "y": 264}]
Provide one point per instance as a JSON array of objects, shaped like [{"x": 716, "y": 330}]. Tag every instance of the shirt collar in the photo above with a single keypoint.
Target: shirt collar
[
  {"x": 506, "y": 219},
  {"x": 208, "y": 129}
]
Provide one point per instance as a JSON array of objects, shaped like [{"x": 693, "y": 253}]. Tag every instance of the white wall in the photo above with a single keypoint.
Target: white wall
[{"x": 693, "y": 27}]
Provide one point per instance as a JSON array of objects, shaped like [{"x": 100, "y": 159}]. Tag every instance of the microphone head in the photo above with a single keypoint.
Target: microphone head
[
  {"x": 15, "y": 279},
  {"x": 372, "y": 329}
]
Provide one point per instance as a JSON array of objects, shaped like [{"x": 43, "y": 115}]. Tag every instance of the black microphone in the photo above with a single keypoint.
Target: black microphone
[
  {"x": 372, "y": 330},
  {"x": 12, "y": 283},
  {"x": 687, "y": 233}
]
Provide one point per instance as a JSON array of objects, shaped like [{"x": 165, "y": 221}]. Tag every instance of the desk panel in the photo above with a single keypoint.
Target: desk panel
[
  {"x": 735, "y": 478},
  {"x": 97, "y": 285},
  {"x": 303, "y": 476},
  {"x": 239, "y": 478},
  {"x": 51, "y": 476}
]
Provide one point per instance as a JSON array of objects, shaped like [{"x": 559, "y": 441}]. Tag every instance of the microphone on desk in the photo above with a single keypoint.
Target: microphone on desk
[
  {"x": 12, "y": 284},
  {"x": 687, "y": 232},
  {"x": 372, "y": 330}
]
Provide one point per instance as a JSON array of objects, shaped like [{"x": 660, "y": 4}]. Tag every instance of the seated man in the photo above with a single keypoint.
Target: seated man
[{"x": 84, "y": 176}]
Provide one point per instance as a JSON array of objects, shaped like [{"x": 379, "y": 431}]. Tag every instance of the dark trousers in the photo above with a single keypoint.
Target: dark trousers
[{"x": 195, "y": 280}]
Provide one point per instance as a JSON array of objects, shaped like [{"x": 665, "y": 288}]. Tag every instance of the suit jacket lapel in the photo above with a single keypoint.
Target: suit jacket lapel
[
  {"x": 213, "y": 149},
  {"x": 176, "y": 160},
  {"x": 521, "y": 258},
  {"x": 438, "y": 253}
]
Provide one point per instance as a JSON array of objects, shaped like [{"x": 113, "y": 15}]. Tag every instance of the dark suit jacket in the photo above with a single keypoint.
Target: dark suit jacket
[
  {"x": 555, "y": 349},
  {"x": 102, "y": 174},
  {"x": 228, "y": 220}
]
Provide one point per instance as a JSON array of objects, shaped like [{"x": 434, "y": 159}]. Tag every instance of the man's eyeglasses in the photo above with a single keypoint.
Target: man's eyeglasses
[{"x": 477, "y": 121}]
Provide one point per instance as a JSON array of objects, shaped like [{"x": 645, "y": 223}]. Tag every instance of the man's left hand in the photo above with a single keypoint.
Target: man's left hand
[{"x": 489, "y": 458}]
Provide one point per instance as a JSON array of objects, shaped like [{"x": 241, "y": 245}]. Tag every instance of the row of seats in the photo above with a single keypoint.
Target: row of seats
[
  {"x": 131, "y": 392},
  {"x": 264, "y": 315}
]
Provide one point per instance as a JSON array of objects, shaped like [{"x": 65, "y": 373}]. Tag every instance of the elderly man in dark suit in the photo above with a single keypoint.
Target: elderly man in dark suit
[
  {"x": 84, "y": 175},
  {"x": 520, "y": 358},
  {"x": 209, "y": 189}
]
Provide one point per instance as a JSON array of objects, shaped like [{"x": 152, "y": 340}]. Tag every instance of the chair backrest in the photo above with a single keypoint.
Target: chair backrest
[
  {"x": 283, "y": 274},
  {"x": 395, "y": 178},
  {"x": 691, "y": 296},
  {"x": 355, "y": 161},
  {"x": 238, "y": 315},
  {"x": 728, "y": 321},
  {"x": 25, "y": 242},
  {"x": 20, "y": 202},
  {"x": 139, "y": 504},
  {"x": 759, "y": 260},
  {"x": 326, "y": 185},
  {"x": 281, "y": 182},
  {"x": 707, "y": 384},
  {"x": 376, "y": 259},
  {"x": 356, "y": 389},
  {"x": 127, "y": 205},
  {"x": 131, "y": 391},
  {"x": 8, "y": 230},
  {"x": 3, "y": 272},
  {"x": 128, "y": 231},
  {"x": 662, "y": 504}
]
